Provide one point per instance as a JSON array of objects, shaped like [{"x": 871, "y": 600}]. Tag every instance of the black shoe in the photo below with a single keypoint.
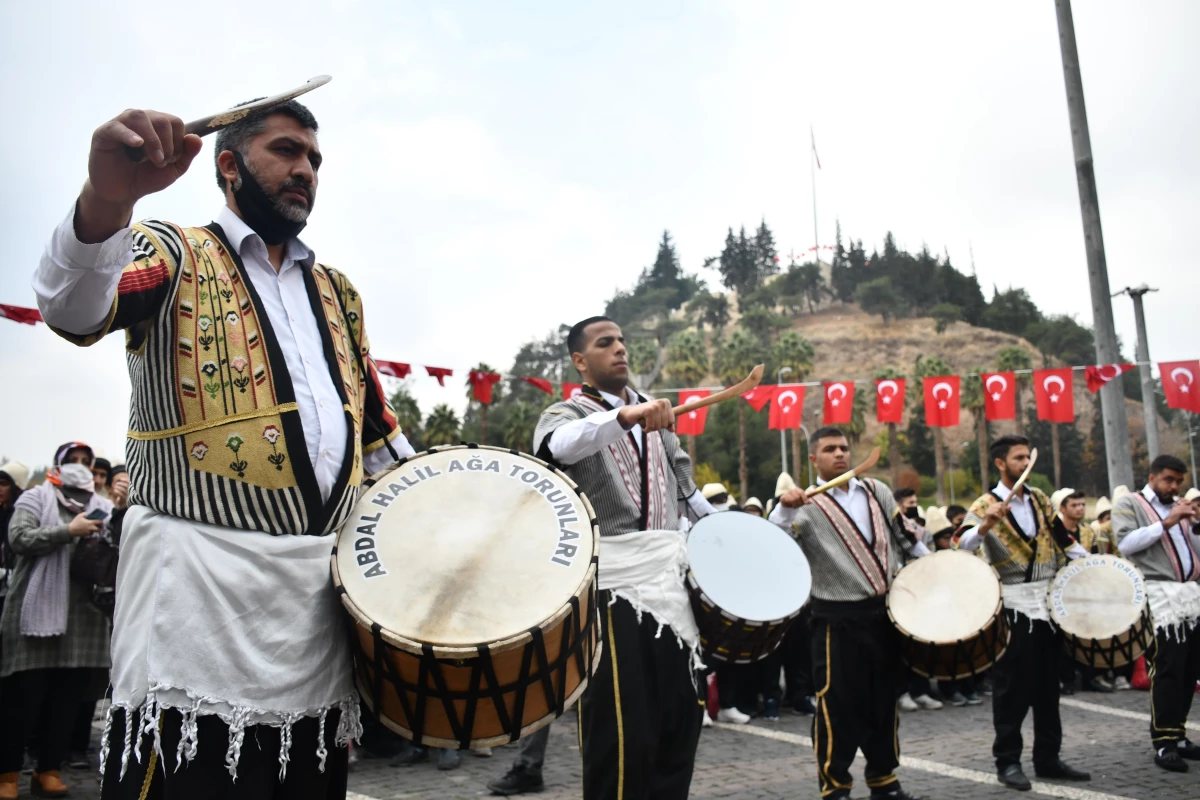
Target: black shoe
[
  {"x": 448, "y": 760},
  {"x": 1060, "y": 770},
  {"x": 517, "y": 781},
  {"x": 895, "y": 793},
  {"x": 1171, "y": 761},
  {"x": 1067, "y": 689},
  {"x": 1188, "y": 750},
  {"x": 803, "y": 707},
  {"x": 1099, "y": 685},
  {"x": 76, "y": 760},
  {"x": 410, "y": 755},
  {"x": 771, "y": 710},
  {"x": 1012, "y": 777}
]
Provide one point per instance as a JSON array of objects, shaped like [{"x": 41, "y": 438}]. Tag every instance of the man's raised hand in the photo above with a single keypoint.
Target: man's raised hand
[{"x": 654, "y": 415}]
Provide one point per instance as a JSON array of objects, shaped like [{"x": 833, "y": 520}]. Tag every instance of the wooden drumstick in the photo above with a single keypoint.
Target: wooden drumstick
[
  {"x": 845, "y": 477},
  {"x": 1024, "y": 476},
  {"x": 752, "y": 380},
  {"x": 223, "y": 119}
]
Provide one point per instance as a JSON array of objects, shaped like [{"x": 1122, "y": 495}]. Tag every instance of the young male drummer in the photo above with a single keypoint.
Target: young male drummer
[
  {"x": 1014, "y": 533},
  {"x": 1155, "y": 530},
  {"x": 253, "y": 423},
  {"x": 640, "y": 715},
  {"x": 855, "y": 541}
]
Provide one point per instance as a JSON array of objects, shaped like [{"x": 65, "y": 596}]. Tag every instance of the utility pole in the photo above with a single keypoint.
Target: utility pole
[
  {"x": 782, "y": 433},
  {"x": 1112, "y": 399},
  {"x": 1149, "y": 406}
]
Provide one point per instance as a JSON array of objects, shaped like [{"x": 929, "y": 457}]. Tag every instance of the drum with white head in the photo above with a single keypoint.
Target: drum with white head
[{"x": 1100, "y": 605}]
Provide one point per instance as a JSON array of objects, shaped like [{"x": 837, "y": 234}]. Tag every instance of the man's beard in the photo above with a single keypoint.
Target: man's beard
[{"x": 270, "y": 216}]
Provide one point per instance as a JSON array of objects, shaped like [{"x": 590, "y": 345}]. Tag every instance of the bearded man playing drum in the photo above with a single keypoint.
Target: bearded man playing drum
[
  {"x": 640, "y": 715},
  {"x": 255, "y": 412},
  {"x": 1154, "y": 530},
  {"x": 1014, "y": 533},
  {"x": 855, "y": 539}
]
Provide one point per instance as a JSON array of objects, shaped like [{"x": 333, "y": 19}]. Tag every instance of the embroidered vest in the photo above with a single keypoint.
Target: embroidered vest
[{"x": 872, "y": 559}]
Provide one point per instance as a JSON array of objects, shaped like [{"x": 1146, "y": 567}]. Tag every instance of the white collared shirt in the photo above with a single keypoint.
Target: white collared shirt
[
  {"x": 1138, "y": 540},
  {"x": 1023, "y": 513},
  {"x": 75, "y": 284},
  {"x": 852, "y": 497}
]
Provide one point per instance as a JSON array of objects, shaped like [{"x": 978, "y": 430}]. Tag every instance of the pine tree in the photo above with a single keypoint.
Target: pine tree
[
  {"x": 665, "y": 272},
  {"x": 766, "y": 259}
]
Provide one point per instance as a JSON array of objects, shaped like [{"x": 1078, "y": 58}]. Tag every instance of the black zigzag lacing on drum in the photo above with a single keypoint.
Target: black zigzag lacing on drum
[
  {"x": 1103, "y": 654},
  {"x": 969, "y": 657}
]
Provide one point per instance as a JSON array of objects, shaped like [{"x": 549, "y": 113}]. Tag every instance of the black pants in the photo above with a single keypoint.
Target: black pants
[
  {"x": 41, "y": 703},
  {"x": 796, "y": 653},
  {"x": 206, "y": 776},
  {"x": 639, "y": 718},
  {"x": 855, "y": 652},
  {"x": 740, "y": 685},
  {"x": 1173, "y": 664},
  {"x": 1026, "y": 677}
]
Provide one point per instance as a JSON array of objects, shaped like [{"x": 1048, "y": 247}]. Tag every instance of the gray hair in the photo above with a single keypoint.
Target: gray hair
[{"x": 239, "y": 134}]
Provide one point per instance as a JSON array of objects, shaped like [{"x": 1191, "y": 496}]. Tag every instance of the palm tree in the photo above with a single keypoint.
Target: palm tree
[
  {"x": 483, "y": 407},
  {"x": 796, "y": 353},
  {"x": 739, "y": 354},
  {"x": 519, "y": 424},
  {"x": 929, "y": 367},
  {"x": 1009, "y": 360},
  {"x": 974, "y": 398},
  {"x": 408, "y": 415},
  {"x": 893, "y": 437},
  {"x": 442, "y": 427},
  {"x": 858, "y": 417},
  {"x": 687, "y": 364}
]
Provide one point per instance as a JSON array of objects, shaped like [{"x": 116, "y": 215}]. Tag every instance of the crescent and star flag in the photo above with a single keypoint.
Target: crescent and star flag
[
  {"x": 889, "y": 399},
  {"x": 540, "y": 383},
  {"x": 482, "y": 384},
  {"x": 759, "y": 396},
  {"x": 393, "y": 369},
  {"x": 999, "y": 395},
  {"x": 571, "y": 389},
  {"x": 692, "y": 423},
  {"x": 441, "y": 373},
  {"x": 787, "y": 406},
  {"x": 1101, "y": 374},
  {"x": 839, "y": 402},
  {"x": 941, "y": 401},
  {"x": 1055, "y": 398},
  {"x": 1179, "y": 384},
  {"x": 29, "y": 316}
]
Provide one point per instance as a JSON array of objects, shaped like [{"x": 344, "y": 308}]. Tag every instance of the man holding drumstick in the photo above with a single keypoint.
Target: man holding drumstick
[{"x": 255, "y": 412}]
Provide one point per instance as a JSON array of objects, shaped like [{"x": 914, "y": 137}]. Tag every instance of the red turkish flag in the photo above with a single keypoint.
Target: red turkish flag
[
  {"x": 29, "y": 316},
  {"x": 571, "y": 389},
  {"x": 1101, "y": 374},
  {"x": 1179, "y": 384},
  {"x": 441, "y": 373},
  {"x": 889, "y": 399},
  {"x": 1055, "y": 395},
  {"x": 393, "y": 369},
  {"x": 540, "y": 383},
  {"x": 941, "y": 401},
  {"x": 839, "y": 402},
  {"x": 482, "y": 383},
  {"x": 787, "y": 406},
  {"x": 999, "y": 395},
  {"x": 692, "y": 423},
  {"x": 759, "y": 396}
]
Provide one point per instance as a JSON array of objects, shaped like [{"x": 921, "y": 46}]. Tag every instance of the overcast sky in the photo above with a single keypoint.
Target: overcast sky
[{"x": 495, "y": 169}]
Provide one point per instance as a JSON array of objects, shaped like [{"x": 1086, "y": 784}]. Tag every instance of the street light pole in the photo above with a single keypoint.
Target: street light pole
[
  {"x": 1149, "y": 410},
  {"x": 782, "y": 433}
]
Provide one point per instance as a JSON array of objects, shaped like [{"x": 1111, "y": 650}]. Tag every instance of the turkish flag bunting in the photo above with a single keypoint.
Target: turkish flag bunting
[
  {"x": 787, "y": 406},
  {"x": 540, "y": 383},
  {"x": 441, "y": 373},
  {"x": 571, "y": 389},
  {"x": 999, "y": 395},
  {"x": 692, "y": 423},
  {"x": 29, "y": 316},
  {"x": 941, "y": 401},
  {"x": 1179, "y": 384},
  {"x": 759, "y": 396},
  {"x": 482, "y": 383},
  {"x": 1055, "y": 395},
  {"x": 839, "y": 403},
  {"x": 1101, "y": 374},
  {"x": 889, "y": 399},
  {"x": 393, "y": 369}
]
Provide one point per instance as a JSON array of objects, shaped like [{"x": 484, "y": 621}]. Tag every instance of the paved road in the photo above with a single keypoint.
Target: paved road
[{"x": 947, "y": 754}]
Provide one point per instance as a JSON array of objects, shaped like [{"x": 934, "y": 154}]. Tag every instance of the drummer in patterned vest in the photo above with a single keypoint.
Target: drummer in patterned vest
[
  {"x": 1154, "y": 530},
  {"x": 255, "y": 412},
  {"x": 855, "y": 539},
  {"x": 1014, "y": 534},
  {"x": 640, "y": 715}
]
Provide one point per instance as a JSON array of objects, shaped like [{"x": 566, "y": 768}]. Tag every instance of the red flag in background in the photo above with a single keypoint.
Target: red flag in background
[
  {"x": 787, "y": 406},
  {"x": 1101, "y": 374},
  {"x": 941, "y": 401},
  {"x": 482, "y": 384},
  {"x": 889, "y": 399},
  {"x": 571, "y": 389},
  {"x": 1179, "y": 384},
  {"x": 692, "y": 423},
  {"x": 441, "y": 373},
  {"x": 29, "y": 316},
  {"x": 540, "y": 383},
  {"x": 1055, "y": 398},
  {"x": 839, "y": 403},
  {"x": 999, "y": 395},
  {"x": 759, "y": 396},
  {"x": 393, "y": 369}
]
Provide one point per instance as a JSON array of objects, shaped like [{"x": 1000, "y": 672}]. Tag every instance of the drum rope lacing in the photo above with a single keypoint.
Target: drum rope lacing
[{"x": 990, "y": 642}]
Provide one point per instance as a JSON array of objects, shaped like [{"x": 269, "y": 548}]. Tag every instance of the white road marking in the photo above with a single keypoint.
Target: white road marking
[
  {"x": 1099, "y": 709},
  {"x": 973, "y": 775}
]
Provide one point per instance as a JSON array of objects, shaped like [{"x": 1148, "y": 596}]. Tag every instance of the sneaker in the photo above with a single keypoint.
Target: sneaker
[
  {"x": 973, "y": 699},
  {"x": 732, "y": 715},
  {"x": 804, "y": 707},
  {"x": 958, "y": 700},
  {"x": 518, "y": 781},
  {"x": 482, "y": 752},
  {"x": 412, "y": 754},
  {"x": 448, "y": 760},
  {"x": 1098, "y": 684},
  {"x": 928, "y": 703},
  {"x": 705, "y": 720},
  {"x": 1121, "y": 684},
  {"x": 906, "y": 703},
  {"x": 771, "y": 711}
]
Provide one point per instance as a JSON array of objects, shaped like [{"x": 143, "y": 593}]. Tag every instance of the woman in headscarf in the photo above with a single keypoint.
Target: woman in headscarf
[{"x": 53, "y": 638}]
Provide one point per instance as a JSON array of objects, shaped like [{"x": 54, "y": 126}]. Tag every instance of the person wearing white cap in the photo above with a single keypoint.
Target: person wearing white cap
[
  {"x": 1097, "y": 537},
  {"x": 717, "y": 496},
  {"x": 753, "y": 506},
  {"x": 1193, "y": 497}
]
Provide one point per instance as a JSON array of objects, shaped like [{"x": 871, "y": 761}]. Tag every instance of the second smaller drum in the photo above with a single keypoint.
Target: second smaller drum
[{"x": 1099, "y": 603}]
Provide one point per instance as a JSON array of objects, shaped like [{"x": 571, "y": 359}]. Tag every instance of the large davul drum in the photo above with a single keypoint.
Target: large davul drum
[
  {"x": 1099, "y": 603},
  {"x": 948, "y": 610},
  {"x": 469, "y": 577},
  {"x": 747, "y": 580}
]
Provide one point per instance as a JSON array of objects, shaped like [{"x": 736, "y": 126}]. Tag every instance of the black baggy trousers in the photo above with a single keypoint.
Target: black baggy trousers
[{"x": 1026, "y": 677}]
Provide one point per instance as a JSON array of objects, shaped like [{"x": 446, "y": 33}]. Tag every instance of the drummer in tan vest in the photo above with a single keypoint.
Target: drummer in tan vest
[
  {"x": 1014, "y": 533},
  {"x": 1155, "y": 530},
  {"x": 855, "y": 541}
]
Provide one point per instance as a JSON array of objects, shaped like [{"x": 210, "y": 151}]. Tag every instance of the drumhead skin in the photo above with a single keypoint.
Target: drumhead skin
[
  {"x": 749, "y": 567},
  {"x": 1097, "y": 597},
  {"x": 944, "y": 597},
  {"x": 463, "y": 546}
]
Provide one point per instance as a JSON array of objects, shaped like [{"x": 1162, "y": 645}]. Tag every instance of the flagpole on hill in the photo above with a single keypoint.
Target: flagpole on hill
[{"x": 814, "y": 164}]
